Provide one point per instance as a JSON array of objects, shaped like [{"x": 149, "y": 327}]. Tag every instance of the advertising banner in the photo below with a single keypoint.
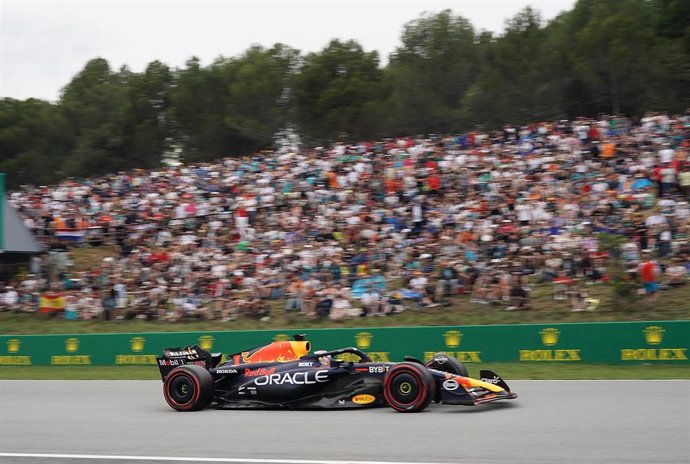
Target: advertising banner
[{"x": 609, "y": 342}]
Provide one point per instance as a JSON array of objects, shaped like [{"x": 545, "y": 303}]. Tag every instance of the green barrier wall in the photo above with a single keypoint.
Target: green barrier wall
[{"x": 623, "y": 342}]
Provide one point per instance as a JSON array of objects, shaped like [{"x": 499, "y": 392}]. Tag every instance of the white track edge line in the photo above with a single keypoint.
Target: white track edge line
[{"x": 196, "y": 459}]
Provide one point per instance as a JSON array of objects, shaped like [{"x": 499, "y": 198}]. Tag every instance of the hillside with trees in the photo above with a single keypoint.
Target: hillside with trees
[{"x": 603, "y": 56}]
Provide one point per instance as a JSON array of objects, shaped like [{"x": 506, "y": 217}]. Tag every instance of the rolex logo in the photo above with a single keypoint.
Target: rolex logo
[
  {"x": 137, "y": 344},
  {"x": 452, "y": 338},
  {"x": 281, "y": 338},
  {"x": 13, "y": 345},
  {"x": 654, "y": 334},
  {"x": 206, "y": 342},
  {"x": 549, "y": 337},
  {"x": 363, "y": 340},
  {"x": 72, "y": 345}
]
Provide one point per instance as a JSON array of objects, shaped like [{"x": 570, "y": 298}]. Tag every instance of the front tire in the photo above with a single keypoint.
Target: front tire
[
  {"x": 408, "y": 387},
  {"x": 188, "y": 388}
]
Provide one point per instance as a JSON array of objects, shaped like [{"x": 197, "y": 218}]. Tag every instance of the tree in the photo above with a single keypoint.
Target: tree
[
  {"x": 95, "y": 106},
  {"x": 338, "y": 92},
  {"x": 259, "y": 100},
  {"x": 430, "y": 73},
  {"x": 34, "y": 141},
  {"x": 611, "y": 50},
  {"x": 147, "y": 124}
]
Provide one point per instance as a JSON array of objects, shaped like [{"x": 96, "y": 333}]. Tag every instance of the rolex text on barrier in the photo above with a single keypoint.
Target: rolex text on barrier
[{"x": 606, "y": 342}]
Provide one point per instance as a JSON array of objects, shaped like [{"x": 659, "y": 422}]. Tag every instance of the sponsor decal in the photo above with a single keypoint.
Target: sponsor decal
[
  {"x": 258, "y": 372},
  {"x": 172, "y": 362},
  {"x": 135, "y": 359},
  {"x": 550, "y": 337},
  {"x": 376, "y": 356},
  {"x": 68, "y": 360},
  {"x": 71, "y": 346},
  {"x": 378, "y": 369},
  {"x": 305, "y": 364},
  {"x": 137, "y": 344},
  {"x": 462, "y": 356},
  {"x": 206, "y": 342},
  {"x": 363, "y": 340},
  {"x": 13, "y": 346},
  {"x": 226, "y": 371},
  {"x": 654, "y": 335},
  {"x": 450, "y": 385},
  {"x": 295, "y": 378},
  {"x": 189, "y": 352},
  {"x": 550, "y": 355},
  {"x": 363, "y": 399},
  {"x": 440, "y": 359},
  {"x": 452, "y": 338},
  {"x": 493, "y": 381},
  {"x": 15, "y": 360}
]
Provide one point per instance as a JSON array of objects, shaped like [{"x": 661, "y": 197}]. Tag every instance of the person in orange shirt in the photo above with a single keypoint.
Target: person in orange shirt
[{"x": 609, "y": 150}]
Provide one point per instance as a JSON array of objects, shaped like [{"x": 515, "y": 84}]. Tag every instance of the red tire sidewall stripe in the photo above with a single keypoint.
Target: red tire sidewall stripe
[
  {"x": 419, "y": 399},
  {"x": 189, "y": 404}
]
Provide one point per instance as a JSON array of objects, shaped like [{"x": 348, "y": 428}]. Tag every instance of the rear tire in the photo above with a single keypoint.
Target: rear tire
[
  {"x": 408, "y": 387},
  {"x": 444, "y": 362},
  {"x": 188, "y": 388}
]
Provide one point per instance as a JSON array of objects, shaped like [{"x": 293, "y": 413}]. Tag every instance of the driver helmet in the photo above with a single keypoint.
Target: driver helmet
[{"x": 324, "y": 360}]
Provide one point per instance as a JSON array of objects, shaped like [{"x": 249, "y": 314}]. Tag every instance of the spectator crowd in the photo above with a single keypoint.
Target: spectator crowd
[{"x": 372, "y": 228}]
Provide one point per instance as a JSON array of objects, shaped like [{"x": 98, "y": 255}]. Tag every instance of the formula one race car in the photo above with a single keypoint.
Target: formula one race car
[{"x": 283, "y": 374}]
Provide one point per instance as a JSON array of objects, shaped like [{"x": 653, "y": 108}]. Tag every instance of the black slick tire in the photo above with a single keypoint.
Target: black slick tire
[
  {"x": 188, "y": 388},
  {"x": 408, "y": 387}
]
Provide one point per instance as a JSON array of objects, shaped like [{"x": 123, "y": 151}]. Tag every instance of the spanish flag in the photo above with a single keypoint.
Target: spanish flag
[{"x": 51, "y": 302}]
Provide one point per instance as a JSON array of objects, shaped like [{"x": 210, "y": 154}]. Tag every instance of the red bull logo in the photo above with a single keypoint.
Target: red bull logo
[
  {"x": 259, "y": 372},
  {"x": 275, "y": 352}
]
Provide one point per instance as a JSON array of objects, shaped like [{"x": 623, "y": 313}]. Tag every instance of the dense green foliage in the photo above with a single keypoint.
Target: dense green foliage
[{"x": 603, "y": 56}]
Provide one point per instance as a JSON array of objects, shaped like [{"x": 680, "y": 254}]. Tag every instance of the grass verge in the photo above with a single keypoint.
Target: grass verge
[{"x": 509, "y": 371}]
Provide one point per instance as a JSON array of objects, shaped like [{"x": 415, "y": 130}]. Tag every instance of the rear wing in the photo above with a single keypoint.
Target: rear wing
[{"x": 174, "y": 357}]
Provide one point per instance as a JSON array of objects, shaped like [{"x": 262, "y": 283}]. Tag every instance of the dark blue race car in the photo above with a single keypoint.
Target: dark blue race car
[{"x": 284, "y": 375}]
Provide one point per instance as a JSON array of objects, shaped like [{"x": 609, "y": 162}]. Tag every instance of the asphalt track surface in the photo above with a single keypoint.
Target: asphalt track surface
[{"x": 551, "y": 422}]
